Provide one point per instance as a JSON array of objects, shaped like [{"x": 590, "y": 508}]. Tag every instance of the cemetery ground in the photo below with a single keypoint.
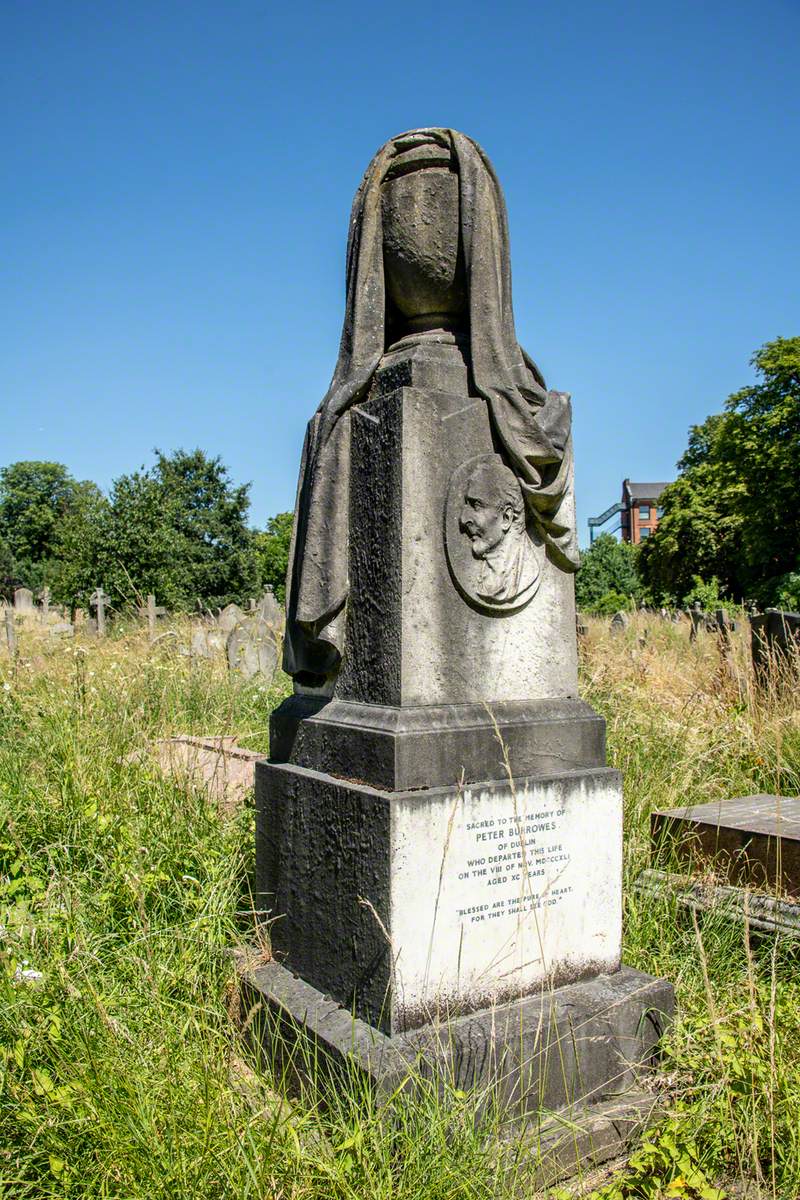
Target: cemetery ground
[{"x": 124, "y": 1064}]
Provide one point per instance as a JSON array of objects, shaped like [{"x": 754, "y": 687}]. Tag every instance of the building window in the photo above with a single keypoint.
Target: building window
[
  {"x": 644, "y": 532},
  {"x": 644, "y": 512}
]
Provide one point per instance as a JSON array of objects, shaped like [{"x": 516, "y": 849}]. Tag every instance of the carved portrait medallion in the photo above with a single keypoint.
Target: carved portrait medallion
[{"x": 491, "y": 555}]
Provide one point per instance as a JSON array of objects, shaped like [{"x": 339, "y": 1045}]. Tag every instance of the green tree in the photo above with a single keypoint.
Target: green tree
[
  {"x": 8, "y": 570},
  {"x": 732, "y": 513},
  {"x": 178, "y": 529},
  {"x": 607, "y": 567},
  {"x": 272, "y": 548},
  {"x": 35, "y": 498}
]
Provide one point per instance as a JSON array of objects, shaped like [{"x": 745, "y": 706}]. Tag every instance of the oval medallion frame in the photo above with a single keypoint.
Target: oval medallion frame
[{"x": 468, "y": 572}]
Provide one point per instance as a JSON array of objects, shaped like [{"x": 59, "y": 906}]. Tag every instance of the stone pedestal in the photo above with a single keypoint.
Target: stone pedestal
[
  {"x": 414, "y": 905},
  {"x": 439, "y": 845}
]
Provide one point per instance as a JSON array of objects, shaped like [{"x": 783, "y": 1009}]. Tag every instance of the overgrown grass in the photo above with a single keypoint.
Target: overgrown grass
[{"x": 122, "y": 1071}]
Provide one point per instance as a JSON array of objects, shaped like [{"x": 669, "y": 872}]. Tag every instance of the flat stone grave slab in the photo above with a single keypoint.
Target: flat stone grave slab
[
  {"x": 225, "y": 770},
  {"x": 751, "y": 841}
]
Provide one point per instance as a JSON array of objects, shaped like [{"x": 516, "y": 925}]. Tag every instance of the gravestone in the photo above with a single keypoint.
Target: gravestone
[
  {"x": 152, "y": 612},
  {"x": 620, "y": 622},
  {"x": 253, "y": 650},
  {"x": 270, "y": 611},
  {"x": 199, "y": 645},
  {"x": 45, "y": 598},
  {"x": 439, "y": 838},
  {"x": 11, "y": 633},
  {"x": 774, "y": 645},
  {"x": 230, "y": 617},
  {"x": 23, "y": 601},
  {"x": 699, "y": 621},
  {"x": 97, "y": 601}
]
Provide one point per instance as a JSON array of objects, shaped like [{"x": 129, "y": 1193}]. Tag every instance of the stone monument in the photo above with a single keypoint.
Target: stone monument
[{"x": 439, "y": 839}]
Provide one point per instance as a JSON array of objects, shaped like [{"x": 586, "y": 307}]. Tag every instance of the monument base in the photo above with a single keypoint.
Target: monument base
[
  {"x": 408, "y": 906},
  {"x": 566, "y": 1068}
]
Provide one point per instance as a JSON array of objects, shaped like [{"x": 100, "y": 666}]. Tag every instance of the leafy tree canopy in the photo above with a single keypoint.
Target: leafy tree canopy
[
  {"x": 272, "y": 548},
  {"x": 34, "y": 497},
  {"x": 733, "y": 513},
  {"x": 608, "y": 567},
  {"x": 178, "y": 529}
]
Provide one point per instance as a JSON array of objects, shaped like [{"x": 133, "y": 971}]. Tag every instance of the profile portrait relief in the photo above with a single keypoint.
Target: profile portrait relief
[
  {"x": 492, "y": 557},
  {"x": 493, "y": 519}
]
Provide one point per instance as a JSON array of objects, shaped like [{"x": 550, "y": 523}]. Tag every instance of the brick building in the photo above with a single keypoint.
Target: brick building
[{"x": 640, "y": 510}]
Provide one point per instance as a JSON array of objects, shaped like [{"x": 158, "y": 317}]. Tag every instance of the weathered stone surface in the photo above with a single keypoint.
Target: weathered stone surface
[
  {"x": 270, "y": 611},
  {"x": 619, "y": 622},
  {"x": 411, "y": 903},
  {"x": 207, "y": 641},
  {"x": 225, "y": 770},
  {"x": 751, "y": 841},
  {"x": 431, "y": 745},
  {"x": 230, "y": 617},
  {"x": 413, "y": 637},
  {"x": 775, "y": 645},
  {"x": 758, "y": 911},
  {"x": 252, "y": 649},
  {"x": 23, "y": 600},
  {"x": 429, "y": 266},
  {"x": 571, "y": 1050}
]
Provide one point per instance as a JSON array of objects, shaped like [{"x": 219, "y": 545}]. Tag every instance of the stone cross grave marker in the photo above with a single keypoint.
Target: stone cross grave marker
[
  {"x": 417, "y": 871},
  {"x": 45, "y": 598},
  {"x": 153, "y": 612},
  {"x": 97, "y": 601}
]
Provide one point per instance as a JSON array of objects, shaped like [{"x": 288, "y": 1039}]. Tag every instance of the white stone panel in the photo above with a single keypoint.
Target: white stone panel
[{"x": 498, "y": 890}]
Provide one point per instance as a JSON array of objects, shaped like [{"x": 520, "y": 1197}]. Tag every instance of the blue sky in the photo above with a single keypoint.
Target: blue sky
[{"x": 178, "y": 178}]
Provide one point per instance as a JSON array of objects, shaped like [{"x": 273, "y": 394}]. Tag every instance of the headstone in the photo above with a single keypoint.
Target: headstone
[
  {"x": 11, "y": 633},
  {"x": 62, "y": 629},
  {"x": 775, "y": 645},
  {"x": 750, "y": 841},
  {"x": 230, "y": 617},
  {"x": 97, "y": 601},
  {"x": 23, "y": 600},
  {"x": 45, "y": 598},
  {"x": 90, "y": 627},
  {"x": 270, "y": 611},
  {"x": 199, "y": 646},
  {"x": 620, "y": 622},
  {"x": 698, "y": 621},
  {"x": 438, "y": 833},
  {"x": 253, "y": 650}
]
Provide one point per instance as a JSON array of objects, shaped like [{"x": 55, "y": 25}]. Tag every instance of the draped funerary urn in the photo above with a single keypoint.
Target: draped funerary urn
[{"x": 474, "y": 488}]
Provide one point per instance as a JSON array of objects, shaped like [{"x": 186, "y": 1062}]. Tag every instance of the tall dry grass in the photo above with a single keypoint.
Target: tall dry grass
[{"x": 122, "y": 1073}]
